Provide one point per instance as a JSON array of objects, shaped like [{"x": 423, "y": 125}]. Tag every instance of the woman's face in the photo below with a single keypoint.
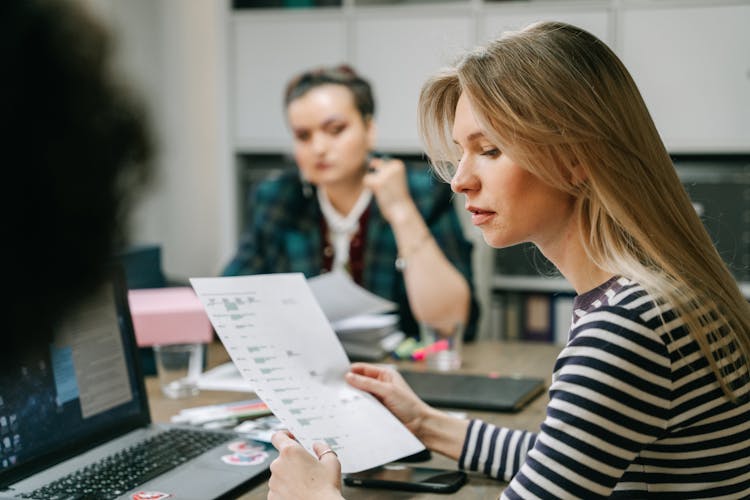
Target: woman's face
[
  {"x": 509, "y": 204},
  {"x": 331, "y": 139}
]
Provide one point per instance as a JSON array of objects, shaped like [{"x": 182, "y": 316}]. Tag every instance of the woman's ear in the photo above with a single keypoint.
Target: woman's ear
[{"x": 372, "y": 132}]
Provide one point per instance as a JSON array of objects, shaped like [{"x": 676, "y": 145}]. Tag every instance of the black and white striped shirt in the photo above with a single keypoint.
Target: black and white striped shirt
[{"x": 635, "y": 412}]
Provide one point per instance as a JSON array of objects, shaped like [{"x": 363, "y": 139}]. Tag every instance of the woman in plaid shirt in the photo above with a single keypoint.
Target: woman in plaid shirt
[{"x": 392, "y": 228}]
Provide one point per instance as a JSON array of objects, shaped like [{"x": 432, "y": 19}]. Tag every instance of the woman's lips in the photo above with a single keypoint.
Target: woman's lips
[{"x": 479, "y": 216}]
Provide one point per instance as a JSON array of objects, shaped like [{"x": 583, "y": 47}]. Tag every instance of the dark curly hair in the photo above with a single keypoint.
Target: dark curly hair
[{"x": 75, "y": 146}]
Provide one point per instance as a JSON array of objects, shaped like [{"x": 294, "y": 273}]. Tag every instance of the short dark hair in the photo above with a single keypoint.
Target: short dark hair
[
  {"x": 339, "y": 75},
  {"x": 77, "y": 145}
]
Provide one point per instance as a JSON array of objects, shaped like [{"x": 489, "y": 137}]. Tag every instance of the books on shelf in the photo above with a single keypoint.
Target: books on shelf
[{"x": 533, "y": 316}]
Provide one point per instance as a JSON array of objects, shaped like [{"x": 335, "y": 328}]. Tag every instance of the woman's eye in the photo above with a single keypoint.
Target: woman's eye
[
  {"x": 336, "y": 129},
  {"x": 491, "y": 153},
  {"x": 302, "y": 136}
]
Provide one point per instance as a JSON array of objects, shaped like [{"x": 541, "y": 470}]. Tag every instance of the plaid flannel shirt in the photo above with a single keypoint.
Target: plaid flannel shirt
[{"x": 282, "y": 234}]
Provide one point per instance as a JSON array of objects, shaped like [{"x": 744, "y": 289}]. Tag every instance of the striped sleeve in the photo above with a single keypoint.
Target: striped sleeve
[
  {"x": 610, "y": 398},
  {"x": 495, "y": 451}
]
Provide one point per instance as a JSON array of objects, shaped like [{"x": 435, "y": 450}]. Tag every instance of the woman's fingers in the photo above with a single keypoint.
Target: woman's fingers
[
  {"x": 366, "y": 369},
  {"x": 327, "y": 456},
  {"x": 367, "y": 384},
  {"x": 282, "y": 439},
  {"x": 295, "y": 473},
  {"x": 322, "y": 449}
]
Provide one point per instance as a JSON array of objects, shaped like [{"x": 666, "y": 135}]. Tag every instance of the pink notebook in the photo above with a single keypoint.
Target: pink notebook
[{"x": 168, "y": 316}]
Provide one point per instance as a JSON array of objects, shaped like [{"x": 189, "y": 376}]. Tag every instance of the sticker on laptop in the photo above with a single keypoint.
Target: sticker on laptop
[
  {"x": 245, "y": 459},
  {"x": 244, "y": 447},
  {"x": 150, "y": 495},
  {"x": 244, "y": 453}
]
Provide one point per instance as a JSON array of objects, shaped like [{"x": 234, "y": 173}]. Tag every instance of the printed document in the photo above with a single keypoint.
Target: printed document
[{"x": 284, "y": 346}]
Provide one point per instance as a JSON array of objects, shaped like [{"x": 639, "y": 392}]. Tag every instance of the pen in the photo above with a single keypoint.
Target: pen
[
  {"x": 222, "y": 406},
  {"x": 229, "y": 417},
  {"x": 405, "y": 349},
  {"x": 202, "y": 414},
  {"x": 221, "y": 424},
  {"x": 421, "y": 353}
]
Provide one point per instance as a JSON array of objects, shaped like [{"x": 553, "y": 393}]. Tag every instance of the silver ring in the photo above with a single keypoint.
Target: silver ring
[{"x": 329, "y": 450}]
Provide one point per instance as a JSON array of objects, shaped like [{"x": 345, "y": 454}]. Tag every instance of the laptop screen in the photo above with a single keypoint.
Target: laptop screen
[{"x": 80, "y": 390}]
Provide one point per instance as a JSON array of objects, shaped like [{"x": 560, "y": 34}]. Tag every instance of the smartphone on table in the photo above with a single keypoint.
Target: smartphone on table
[{"x": 408, "y": 478}]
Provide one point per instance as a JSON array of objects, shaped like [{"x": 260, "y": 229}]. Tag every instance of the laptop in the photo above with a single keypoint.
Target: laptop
[
  {"x": 76, "y": 403},
  {"x": 474, "y": 392}
]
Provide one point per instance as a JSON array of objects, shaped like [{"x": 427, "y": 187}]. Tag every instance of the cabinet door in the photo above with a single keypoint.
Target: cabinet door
[
  {"x": 397, "y": 51},
  {"x": 594, "y": 19},
  {"x": 267, "y": 49},
  {"x": 692, "y": 65}
]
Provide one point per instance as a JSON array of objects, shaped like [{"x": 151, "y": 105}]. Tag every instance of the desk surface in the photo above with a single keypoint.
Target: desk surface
[{"x": 534, "y": 359}]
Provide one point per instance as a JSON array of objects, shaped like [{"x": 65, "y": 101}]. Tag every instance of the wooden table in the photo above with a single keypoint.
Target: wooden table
[{"x": 504, "y": 358}]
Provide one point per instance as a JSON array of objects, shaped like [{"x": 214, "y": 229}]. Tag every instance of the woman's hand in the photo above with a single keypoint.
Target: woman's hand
[
  {"x": 387, "y": 180},
  {"x": 437, "y": 430},
  {"x": 296, "y": 474},
  {"x": 389, "y": 387}
]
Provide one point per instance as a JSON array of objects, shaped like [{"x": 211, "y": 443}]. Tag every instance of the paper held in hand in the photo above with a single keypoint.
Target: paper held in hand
[{"x": 283, "y": 345}]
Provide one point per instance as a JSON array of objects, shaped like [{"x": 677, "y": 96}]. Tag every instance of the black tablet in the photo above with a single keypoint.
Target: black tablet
[{"x": 474, "y": 392}]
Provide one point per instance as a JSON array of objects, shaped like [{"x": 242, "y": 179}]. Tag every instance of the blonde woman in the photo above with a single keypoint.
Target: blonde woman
[{"x": 547, "y": 136}]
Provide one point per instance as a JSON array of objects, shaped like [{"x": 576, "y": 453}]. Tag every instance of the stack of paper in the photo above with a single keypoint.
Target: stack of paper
[
  {"x": 357, "y": 316},
  {"x": 341, "y": 298},
  {"x": 369, "y": 336}
]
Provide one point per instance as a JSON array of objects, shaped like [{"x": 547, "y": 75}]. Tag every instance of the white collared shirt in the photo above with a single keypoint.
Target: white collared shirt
[{"x": 341, "y": 228}]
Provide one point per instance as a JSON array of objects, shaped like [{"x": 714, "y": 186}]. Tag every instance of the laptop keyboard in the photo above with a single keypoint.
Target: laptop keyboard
[{"x": 125, "y": 470}]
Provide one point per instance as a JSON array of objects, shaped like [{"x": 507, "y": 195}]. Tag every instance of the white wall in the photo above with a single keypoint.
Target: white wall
[
  {"x": 177, "y": 51},
  {"x": 174, "y": 51}
]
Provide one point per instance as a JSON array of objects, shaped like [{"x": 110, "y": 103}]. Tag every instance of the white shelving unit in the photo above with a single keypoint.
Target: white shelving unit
[
  {"x": 692, "y": 63},
  {"x": 267, "y": 48},
  {"x": 690, "y": 58}
]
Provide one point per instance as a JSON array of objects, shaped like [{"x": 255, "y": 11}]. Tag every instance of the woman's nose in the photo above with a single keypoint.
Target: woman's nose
[
  {"x": 463, "y": 180},
  {"x": 319, "y": 143}
]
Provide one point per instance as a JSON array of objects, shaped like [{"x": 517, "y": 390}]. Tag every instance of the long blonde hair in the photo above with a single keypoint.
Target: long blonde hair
[{"x": 554, "y": 97}]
